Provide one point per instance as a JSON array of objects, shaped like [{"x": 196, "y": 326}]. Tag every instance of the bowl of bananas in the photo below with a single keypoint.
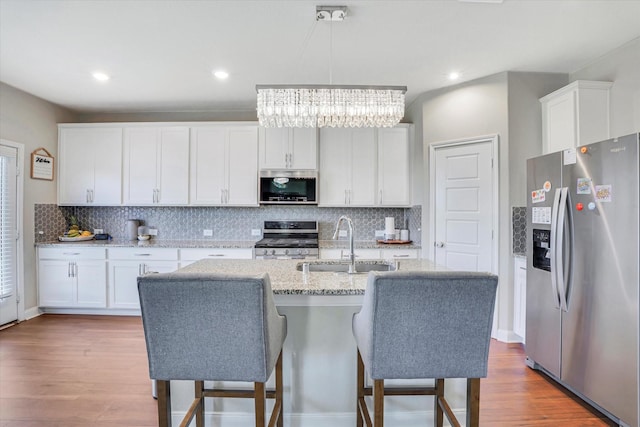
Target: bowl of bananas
[{"x": 75, "y": 234}]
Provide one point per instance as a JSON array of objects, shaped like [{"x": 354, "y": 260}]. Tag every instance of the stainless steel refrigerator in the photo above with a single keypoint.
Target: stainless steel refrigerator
[{"x": 582, "y": 272}]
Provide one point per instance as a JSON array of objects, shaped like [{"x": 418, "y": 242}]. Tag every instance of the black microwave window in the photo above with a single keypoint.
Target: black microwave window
[{"x": 285, "y": 189}]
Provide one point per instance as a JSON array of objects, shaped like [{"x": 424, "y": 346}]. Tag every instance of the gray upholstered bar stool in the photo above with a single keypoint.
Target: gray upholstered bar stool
[
  {"x": 424, "y": 325},
  {"x": 212, "y": 327}
]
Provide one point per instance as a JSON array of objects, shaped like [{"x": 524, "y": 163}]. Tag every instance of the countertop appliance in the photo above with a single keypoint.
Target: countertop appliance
[
  {"x": 582, "y": 272},
  {"x": 288, "y": 240},
  {"x": 288, "y": 187}
]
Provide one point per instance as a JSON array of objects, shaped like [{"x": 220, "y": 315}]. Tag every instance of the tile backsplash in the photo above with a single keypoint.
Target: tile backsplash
[
  {"x": 227, "y": 223},
  {"x": 519, "y": 224}
]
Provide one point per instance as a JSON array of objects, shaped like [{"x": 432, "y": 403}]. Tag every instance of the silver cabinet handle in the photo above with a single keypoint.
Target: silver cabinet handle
[
  {"x": 87, "y": 197},
  {"x": 401, "y": 256},
  {"x": 221, "y": 196},
  {"x": 215, "y": 255},
  {"x": 71, "y": 253},
  {"x": 345, "y": 197},
  {"x": 141, "y": 254},
  {"x": 380, "y": 196},
  {"x": 439, "y": 244},
  {"x": 69, "y": 270},
  {"x": 91, "y": 196}
]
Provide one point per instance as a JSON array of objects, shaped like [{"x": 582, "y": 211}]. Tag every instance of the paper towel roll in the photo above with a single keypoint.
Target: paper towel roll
[{"x": 389, "y": 225}]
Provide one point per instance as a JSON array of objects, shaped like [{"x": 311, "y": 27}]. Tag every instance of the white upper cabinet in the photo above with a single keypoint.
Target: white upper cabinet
[
  {"x": 575, "y": 115},
  {"x": 365, "y": 167},
  {"x": 90, "y": 165},
  {"x": 156, "y": 165},
  {"x": 288, "y": 148},
  {"x": 347, "y": 167},
  {"x": 224, "y": 165},
  {"x": 394, "y": 172}
]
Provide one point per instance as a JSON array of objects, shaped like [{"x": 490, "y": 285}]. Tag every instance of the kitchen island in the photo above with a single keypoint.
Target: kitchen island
[{"x": 319, "y": 354}]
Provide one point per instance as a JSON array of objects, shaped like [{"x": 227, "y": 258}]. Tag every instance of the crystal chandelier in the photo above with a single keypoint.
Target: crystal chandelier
[{"x": 330, "y": 105}]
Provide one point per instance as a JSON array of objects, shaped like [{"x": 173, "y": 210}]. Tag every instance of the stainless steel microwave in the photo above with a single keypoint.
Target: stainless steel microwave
[{"x": 288, "y": 187}]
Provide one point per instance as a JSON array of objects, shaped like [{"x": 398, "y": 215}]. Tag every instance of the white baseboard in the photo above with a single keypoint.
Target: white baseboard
[
  {"x": 508, "y": 336},
  {"x": 391, "y": 419},
  {"x": 32, "y": 312}
]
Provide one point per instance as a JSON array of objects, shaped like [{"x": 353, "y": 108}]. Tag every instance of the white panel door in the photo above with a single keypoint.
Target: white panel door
[
  {"x": 242, "y": 149},
  {"x": 208, "y": 165},
  {"x": 173, "y": 159},
  {"x": 363, "y": 167},
  {"x": 464, "y": 207}
]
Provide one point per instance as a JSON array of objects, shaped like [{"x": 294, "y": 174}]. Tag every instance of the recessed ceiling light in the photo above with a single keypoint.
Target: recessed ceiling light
[
  {"x": 454, "y": 75},
  {"x": 221, "y": 74},
  {"x": 101, "y": 77}
]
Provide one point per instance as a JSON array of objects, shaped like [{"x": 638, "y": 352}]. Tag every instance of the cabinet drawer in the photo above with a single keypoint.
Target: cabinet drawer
[
  {"x": 141, "y": 254},
  {"x": 344, "y": 253},
  {"x": 215, "y": 253},
  {"x": 400, "y": 253},
  {"x": 71, "y": 253}
]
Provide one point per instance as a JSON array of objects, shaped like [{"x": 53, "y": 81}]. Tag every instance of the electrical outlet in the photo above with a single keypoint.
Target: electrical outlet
[
  {"x": 98, "y": 231},
  {"x": 255, "y": 231},
  {"x": 342, "y": 233},
  {"x": 207, "y": 233},
  {"x": 153, "y": 231},
  {"x": 379, "y": 233}
]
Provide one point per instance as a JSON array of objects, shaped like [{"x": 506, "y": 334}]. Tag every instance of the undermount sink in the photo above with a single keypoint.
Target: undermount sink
[{"x": 338, "y": 267}]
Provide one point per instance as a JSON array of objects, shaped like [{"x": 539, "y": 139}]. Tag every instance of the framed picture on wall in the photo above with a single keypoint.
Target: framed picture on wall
[{"x": 42, "y": 164}]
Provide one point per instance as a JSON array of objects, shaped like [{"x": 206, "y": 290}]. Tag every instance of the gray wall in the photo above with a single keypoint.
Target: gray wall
[
  {"x": 622, "y": 67},
  {"x": 525, "y": 124},
  {"x": 31, "y": 121}
]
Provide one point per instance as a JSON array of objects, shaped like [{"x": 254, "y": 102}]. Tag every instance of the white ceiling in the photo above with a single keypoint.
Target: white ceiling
[{"x": 160, "y": 54}]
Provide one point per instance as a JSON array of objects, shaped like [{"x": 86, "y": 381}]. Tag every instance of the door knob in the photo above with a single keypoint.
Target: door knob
[{"x": 439, "y": 244}]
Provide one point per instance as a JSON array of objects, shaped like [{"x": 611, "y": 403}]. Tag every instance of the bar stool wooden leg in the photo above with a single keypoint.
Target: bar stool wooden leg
[
  {"x": 259, "y": 396},
  {"x": 439, "y": 395},
  {"x": 360, "y": 390},
  {"x": 473, "y": 402},
  {"x": 378, "y": 403},
  {"x": 199, "y": 388},
  {"x": 164, "y": 403}
]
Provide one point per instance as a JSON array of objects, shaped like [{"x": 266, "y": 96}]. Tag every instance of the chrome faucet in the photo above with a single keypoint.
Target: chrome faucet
[{"x": 352, "y": 255}]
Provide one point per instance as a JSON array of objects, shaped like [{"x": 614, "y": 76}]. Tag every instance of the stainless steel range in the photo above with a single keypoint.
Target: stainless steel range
[{"x": 288, "y": 240}]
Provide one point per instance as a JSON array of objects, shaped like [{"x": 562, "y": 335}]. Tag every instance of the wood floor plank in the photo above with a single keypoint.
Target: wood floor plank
[{"x": 78, "y": 371}]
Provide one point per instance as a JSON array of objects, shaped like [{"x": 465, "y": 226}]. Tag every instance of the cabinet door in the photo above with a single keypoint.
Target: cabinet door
[
  {"x": 273, "y": 148},
  {"x": 335, "y": 160},
  {"x": 140, "y": 165},
  {"x": 363, "y": 167},
  {"x": 208, "y": 165},
  {"x": 393, "y": 167},
  {"x": 173, "y": 185},
  {"x": 90, "y": 170},
  {"x": 91, "y": 284},
  {"x": 303, "y": 148},
  {"x": 242, "y": 188},
  {"x": 123, "y": 280},
  {"x": 560, "y": 117},
  {"x": 55, "y": 284}
]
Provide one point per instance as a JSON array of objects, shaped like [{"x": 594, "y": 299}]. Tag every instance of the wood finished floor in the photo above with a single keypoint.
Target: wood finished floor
[{"x": 72, "y": 371}]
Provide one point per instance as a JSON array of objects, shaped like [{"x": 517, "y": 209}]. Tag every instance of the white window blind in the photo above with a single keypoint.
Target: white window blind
[{"x": 8, "y": 242}]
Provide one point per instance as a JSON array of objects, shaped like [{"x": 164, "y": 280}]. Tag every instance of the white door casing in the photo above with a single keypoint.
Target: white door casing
[
  {"x": 11, "y": 301},
  {"x": 464, "y": 204}
]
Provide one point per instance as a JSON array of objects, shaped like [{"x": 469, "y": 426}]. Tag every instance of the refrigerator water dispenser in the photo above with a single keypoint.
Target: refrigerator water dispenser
[{"x": 541, "y": 256}]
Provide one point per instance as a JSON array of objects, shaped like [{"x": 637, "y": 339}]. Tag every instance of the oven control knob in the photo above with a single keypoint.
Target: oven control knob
[
  {"x": 286, "y": 251},
  {"x": 299, "y": 251},
  {"x": 273, "y": 251},
  {"x": 305, "y": 251},
  {"x": 264, "y": 251}
]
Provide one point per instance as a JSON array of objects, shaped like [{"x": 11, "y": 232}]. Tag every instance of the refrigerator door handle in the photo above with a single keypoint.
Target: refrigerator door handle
[
  {"x": 553, "y": 247},
  {"x": 564, "y": 259}
]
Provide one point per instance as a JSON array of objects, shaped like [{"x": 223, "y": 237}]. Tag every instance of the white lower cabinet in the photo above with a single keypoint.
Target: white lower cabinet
[
  {"x": 72, "y": 278},
  {"x": 189, "y": 256},
  {"x": 519, "y": 296},
  {"x": 126, "y": 264}
]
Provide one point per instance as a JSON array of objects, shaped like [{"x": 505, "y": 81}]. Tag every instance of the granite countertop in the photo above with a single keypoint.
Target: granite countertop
[
  {"x": 287, "y": 280},
  {"x": 226, "y": 244},
  {"x": 152, "y": 243}
]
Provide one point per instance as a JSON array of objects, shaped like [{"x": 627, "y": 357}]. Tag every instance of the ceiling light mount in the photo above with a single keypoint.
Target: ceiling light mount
[
  {"x": 331, "y": 13},
  {"x": 330, "y": 105}
]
